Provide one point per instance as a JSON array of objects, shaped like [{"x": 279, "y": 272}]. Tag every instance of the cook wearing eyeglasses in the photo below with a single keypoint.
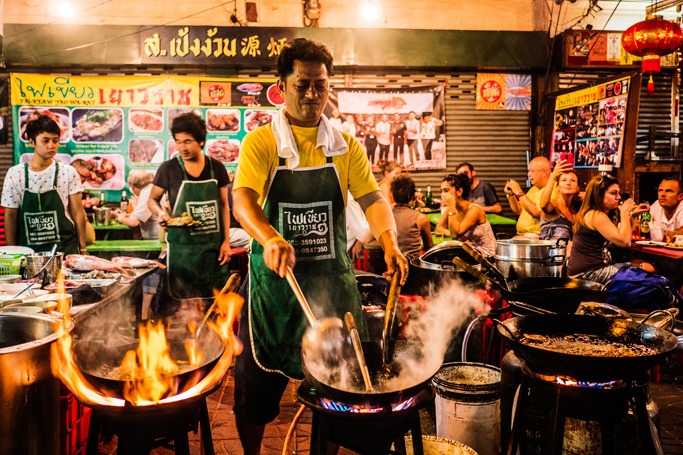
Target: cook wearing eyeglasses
[
  {"x": 595, "y": 231},
  {"x": 197, "y": 185},
  {"x": 289, "y": 194}
]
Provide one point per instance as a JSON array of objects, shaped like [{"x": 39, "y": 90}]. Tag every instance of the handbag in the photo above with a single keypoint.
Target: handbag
[{"x": 636, "y": 289}]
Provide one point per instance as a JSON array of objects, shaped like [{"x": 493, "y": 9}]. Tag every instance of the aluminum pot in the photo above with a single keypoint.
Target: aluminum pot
[
  {"x": 523, "y": 258},
  {"x": 435, "y": 267},
  {"x": 36, "y": 261},
  {"x": 29, "y": 393}
]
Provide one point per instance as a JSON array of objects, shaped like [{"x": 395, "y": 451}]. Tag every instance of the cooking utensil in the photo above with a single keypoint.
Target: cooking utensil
[
  {"x": 231, "y": 285},
  {"x": 481, "y": 259},
  {"x": 390, "y": 317},
  {"x": 42, "y": 269},
  {"x": 557, "y": 294},
  {"x": 521, "y": 258},
  {"x": 350, "y": 324},
  {"x": 581, "y": 365}
]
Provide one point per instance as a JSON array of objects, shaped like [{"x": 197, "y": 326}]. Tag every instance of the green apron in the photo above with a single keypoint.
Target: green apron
[
  {"x": 43, "y": 221},
  {"x": 307, "y": 207},
  {"x": 193, "y": 269}
]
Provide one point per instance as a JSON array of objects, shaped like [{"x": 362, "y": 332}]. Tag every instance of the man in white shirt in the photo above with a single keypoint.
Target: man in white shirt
[
  {"x": 412, "y": 136},
  {"x": 667, "y": 212}
]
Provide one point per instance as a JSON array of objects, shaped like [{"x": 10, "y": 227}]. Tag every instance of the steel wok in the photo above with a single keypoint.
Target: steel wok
[
  {"x": 354, "y": 389},
  {"x": 586, "y": 366},
  {"x": 94, "y": 359}
]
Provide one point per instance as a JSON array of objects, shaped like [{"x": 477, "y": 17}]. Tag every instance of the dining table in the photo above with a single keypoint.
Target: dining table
[
  {"x": 148, "y": 249},
  {"x": 667, "y": 258}
]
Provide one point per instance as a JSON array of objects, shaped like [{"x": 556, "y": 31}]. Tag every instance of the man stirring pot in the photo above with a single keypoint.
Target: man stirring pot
[{"x": 289, "y": 195}]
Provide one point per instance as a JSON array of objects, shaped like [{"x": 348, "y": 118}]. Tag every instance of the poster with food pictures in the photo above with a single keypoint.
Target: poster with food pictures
[
  {"x": 589, "y": 123},
  {"x": 111, "y": 125}
]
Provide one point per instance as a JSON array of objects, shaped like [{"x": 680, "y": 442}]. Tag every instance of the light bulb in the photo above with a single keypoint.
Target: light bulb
[{"x": 370, "y": 10}]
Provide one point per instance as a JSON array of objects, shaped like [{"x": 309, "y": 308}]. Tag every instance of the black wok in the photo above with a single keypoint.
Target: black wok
[
  {"x": 353, "y": 388},
  {"x": 96, "y": 361},
  {"x": 586, "y": 366},
  {"x": 556, "y": 294}
]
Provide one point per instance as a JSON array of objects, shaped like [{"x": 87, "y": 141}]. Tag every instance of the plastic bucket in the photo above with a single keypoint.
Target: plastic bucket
[
  {"x": 433, "y": 445},
  {"x": 468, "y": 405}
]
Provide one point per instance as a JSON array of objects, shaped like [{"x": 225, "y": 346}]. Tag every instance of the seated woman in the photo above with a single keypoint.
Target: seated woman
[
  {"x": 594, "y": 231},
  {"x": 559, "y": 207},
  {"x": 466, "y": 220},
  {"x": 414, "y": 231},
  {"x": 390, "y": 170}
]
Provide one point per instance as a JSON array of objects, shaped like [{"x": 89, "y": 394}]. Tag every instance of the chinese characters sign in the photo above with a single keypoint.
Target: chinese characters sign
[{"x": 111, "y": 125}]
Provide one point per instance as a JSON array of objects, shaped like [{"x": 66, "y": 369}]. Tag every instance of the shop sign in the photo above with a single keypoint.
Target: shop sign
[{"x": 503, "y": 92}]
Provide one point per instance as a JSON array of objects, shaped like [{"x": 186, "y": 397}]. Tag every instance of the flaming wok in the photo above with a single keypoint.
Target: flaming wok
[{"x": 100, "y": 364}]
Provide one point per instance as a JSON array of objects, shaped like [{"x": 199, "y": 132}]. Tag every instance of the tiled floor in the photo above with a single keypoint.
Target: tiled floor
[{"x": 667, "y": 395}]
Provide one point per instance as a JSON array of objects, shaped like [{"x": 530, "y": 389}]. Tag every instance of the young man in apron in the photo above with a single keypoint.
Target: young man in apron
[
  {"x": 289, "y": 195},
  {"x": 197, "y": 185},
  {"x": 43, "y": 197}
]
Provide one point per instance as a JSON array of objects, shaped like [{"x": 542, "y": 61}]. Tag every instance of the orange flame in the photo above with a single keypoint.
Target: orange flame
[{"x": 150, "y": 366}]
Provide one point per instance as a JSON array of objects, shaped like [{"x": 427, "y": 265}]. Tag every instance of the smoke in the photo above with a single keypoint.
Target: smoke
[{"x": 417, "y": 358}]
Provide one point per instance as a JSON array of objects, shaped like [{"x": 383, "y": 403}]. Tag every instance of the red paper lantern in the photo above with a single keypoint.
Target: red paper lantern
[{"x": 650, "y": 39}]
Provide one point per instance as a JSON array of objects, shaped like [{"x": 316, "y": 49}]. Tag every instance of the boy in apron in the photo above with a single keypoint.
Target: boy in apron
[
  {"x": 197, "y": 185},
  {"x": 43, "y": 197}
]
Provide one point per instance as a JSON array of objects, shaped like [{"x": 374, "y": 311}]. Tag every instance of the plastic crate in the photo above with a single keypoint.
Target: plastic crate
[
  {"x": 10, "y": 264},
  {"x": 74, "y": 419}
]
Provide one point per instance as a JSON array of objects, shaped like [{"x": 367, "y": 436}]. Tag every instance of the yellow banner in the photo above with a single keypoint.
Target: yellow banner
[
  {"x": 581, "y": 97},
  {"x": 125, "y": 91}
]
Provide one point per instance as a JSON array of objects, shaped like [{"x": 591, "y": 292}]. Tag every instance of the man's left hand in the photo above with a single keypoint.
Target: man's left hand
[
  {"x": 224, "y": 253},
  {"x": 396, "y": 263}
]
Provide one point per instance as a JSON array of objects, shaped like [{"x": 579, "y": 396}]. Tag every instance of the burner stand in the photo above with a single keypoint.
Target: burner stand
[
  {"x": 141, "y": 429},
  {"x": 364, "y": 433},
  {"x": 544, "y": 406}
]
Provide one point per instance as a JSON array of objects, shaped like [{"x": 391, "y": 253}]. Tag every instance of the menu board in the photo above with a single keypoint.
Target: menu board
[
  {"x": 111, "y": 125},
  {"x": 589, "y": 124}
]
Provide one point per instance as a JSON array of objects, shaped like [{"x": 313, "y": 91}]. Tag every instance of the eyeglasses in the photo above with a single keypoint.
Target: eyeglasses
[{"x": 318, "y": 86}]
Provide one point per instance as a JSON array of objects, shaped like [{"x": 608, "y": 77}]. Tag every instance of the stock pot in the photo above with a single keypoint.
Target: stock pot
[{"x": 522, "y": 258}]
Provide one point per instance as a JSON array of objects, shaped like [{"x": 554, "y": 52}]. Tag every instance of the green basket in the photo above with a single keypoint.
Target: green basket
[{"x": 10, "y": 264}]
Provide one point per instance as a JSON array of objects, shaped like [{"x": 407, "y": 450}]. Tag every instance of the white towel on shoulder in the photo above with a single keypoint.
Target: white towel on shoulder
[{"x": 329, "y": 139}]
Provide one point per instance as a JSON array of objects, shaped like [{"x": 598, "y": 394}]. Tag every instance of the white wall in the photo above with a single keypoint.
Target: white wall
[{"x": 511, "y": 15}]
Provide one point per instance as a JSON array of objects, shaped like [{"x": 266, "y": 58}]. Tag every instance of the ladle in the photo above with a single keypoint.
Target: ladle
[
  {"x": 390, "y": 317},
  {"x": 481, "y": 259},
  {"x": 325, "y": 340},
  {"x": 350, "y": 324},
  {"x": 230, "y": 286},
  {"x": 42, "y": 269}
]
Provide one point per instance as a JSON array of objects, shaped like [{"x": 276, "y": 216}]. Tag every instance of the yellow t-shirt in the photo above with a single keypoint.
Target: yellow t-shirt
[
  {"x": 526, "y": 222},
  {"x": 258, "y": 160}
]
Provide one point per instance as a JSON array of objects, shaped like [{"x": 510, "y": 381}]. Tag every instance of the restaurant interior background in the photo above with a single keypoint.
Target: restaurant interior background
[{"x": 406, "y": 44}]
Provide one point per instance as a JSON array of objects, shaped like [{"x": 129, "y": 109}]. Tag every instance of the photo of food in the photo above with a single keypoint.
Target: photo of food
[
  {"x": 97, "y": 125},
  {"x": 253, "y": 118},
  {"x": 146, "y": 150},
  {"x": 140, "y": 120},
  {"x": 173, "y": 113},
  {"x": 59, "y": 115},
  {"x": 104, "y": 172},
  {"x": 223, "y": 120},
  {"x": 172, "y": 149},
  {"x": 224, "y": 150}
]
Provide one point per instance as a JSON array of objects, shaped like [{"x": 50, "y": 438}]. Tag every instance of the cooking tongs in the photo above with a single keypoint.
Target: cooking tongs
[
  {"x": 498, "y": 277},
  {"x": 390, "y": 318}
]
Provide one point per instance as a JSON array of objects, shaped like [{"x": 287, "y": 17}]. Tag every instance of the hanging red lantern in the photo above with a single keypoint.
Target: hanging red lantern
[{"x": 651, "y": 39}]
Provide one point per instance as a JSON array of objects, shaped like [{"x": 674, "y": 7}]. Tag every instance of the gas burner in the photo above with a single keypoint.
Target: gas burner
[
  {"x": 367, "y": 404},
  {"x": 568, "y": 381}
]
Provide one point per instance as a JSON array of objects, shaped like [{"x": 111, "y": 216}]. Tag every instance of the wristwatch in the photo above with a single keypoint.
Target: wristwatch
[{"x": 519, "y": 195}]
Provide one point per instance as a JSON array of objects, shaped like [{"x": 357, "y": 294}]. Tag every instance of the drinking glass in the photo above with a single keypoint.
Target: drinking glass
[{"x": 438, "y": 237}]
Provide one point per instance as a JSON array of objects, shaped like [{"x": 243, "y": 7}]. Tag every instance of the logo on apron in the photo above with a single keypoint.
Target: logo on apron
[
  {"x": 308, "y": 229},
  {"x": 41, "y": 227},
  {"x": 207, "y": 213}
]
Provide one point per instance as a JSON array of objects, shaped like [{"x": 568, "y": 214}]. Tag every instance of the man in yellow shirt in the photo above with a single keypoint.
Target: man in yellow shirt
[
  {"x": 289, "y": 194},
  {"x": 526, "y": 205}
]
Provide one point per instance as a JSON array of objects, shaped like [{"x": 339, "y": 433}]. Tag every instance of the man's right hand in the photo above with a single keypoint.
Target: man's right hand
[{"x": 278, "y": 254}]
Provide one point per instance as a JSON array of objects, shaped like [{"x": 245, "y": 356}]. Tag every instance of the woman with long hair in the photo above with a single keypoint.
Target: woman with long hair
[
  {"x": 558, "y": 207},
  {"x": 595, "y": 232},
  {"x": 466, "y": 220}
]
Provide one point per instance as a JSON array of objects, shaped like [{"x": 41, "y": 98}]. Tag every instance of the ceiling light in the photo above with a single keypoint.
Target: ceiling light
[
  {"x": 64, "y": 9},
  {"x": 370, "y": 10}
]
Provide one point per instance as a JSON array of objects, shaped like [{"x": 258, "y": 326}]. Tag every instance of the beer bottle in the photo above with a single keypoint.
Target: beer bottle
[
  {"x": 645, "y": 225},
  {"x": 124, "y": 202},
  {"x": 428, "y": 197}
]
